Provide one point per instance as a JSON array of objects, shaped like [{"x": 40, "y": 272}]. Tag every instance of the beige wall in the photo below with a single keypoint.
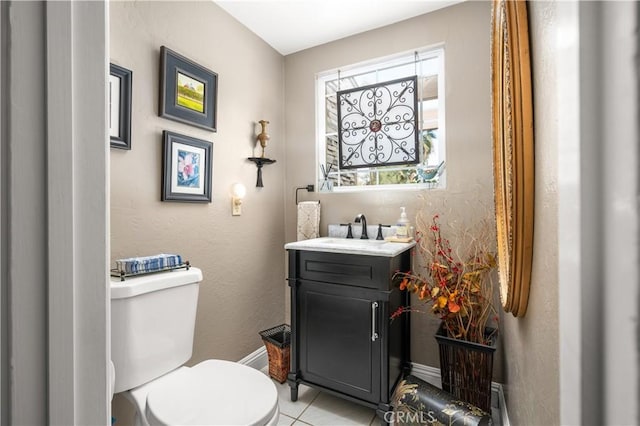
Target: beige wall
[
  {"x": 531, "y": 342},
  {"x": 241, "y": 257},
  {"x": 464, "y": 29}
]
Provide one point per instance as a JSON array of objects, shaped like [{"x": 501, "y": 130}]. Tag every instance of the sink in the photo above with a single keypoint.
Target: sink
[{"x": 351, "y": 246}]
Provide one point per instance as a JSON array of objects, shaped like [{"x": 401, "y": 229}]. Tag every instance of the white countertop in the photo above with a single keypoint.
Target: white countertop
[{"x": 351, "y": 246}]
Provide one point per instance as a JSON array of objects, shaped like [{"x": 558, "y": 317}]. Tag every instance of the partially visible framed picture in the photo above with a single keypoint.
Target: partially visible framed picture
[
  {"x": 120, "y": 84},
  {"x": 188, "y": 91},
  {"x": 186, "y": 168}
]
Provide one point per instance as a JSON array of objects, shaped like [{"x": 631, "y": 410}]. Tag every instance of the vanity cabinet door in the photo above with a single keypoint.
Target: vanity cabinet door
[{"x": 338, "y": 346}]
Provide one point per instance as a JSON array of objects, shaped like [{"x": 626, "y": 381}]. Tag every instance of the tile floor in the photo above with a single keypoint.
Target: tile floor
[{"x": 317, "y": 408}]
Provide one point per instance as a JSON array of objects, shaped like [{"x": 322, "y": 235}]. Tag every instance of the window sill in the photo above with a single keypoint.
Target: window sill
[{"x": 402, "y": 187}]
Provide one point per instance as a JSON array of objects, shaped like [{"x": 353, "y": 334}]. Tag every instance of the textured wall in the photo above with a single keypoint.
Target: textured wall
[
  {"x": 531, "y": 342},
  {"x": 464, "y": 29},
  {"x": 241, "y": 257}
]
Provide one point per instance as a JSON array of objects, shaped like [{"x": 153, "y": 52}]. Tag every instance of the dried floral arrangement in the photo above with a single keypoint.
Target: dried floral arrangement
[{"x": 454, "y": 276}]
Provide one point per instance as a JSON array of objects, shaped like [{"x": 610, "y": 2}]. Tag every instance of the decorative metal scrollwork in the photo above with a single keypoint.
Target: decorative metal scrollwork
[{"x": 377, "y": 124}]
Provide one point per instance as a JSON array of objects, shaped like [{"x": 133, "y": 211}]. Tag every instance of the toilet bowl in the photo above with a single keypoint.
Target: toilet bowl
[
  {"x": 152, "y": 323},
  {"x": 213, "y": 392}
]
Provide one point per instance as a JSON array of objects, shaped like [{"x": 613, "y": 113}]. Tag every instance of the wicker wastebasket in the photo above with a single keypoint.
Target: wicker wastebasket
[{"x": 278, "y": 343}]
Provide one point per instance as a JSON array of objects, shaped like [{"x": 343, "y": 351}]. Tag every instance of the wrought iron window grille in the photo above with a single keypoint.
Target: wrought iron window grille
[{"x": 377, "y": 124}]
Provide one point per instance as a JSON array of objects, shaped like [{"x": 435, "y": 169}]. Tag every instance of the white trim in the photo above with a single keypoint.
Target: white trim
[
  {"x": 618, "y": 123},
  {"x": 504, "y": 415},
  {"x": 76, "y": 201},
  {"x": 388, "y": 61},
  {"x": 426, "y": 373},
  {"x": 569, "y": 204},
  {"x": 26, "y": 206},
  {"x": 397, "y": 187},
  {"x": 4, "y": 235},
  {"x": 61, "y": 231},
  {"x": 257, "y": 359}
]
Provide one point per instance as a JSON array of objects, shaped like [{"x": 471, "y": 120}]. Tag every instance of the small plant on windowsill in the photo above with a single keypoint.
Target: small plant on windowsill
[{"x": 454, "y": 280}]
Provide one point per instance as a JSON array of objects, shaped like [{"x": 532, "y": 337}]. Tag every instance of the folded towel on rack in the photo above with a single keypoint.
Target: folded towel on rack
[
  {"x": 308, "y": 220},
  {"x": 157, "y": 262}
]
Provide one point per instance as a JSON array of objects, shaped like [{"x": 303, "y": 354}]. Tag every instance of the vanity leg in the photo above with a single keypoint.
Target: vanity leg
[
  {"x": 382, "y": 418},
  {"x": 385, "y": 413},
  {"x": 292, "y": 379},
  {"x": 293, "y": 384}
]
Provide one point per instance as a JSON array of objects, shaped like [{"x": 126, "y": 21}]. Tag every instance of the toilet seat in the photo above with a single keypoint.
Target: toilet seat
[{"x": 214, "y": 392}]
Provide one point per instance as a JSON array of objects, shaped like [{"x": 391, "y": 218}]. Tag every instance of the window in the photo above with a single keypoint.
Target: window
[{"x": 338, "y": 143}]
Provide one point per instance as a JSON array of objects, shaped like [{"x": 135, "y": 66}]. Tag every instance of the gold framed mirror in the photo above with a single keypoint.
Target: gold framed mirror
[{"x": 513, "y": 151}]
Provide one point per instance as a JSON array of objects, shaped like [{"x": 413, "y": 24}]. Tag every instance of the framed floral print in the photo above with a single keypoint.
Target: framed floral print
[{"x": 187, "y": 168}]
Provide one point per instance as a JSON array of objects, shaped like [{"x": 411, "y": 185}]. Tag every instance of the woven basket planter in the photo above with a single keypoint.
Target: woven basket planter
[{"x": 466, "y": 368}]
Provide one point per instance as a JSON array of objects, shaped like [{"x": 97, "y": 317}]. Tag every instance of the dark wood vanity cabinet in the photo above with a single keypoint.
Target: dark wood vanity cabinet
[{"x": 342, "y": 338}]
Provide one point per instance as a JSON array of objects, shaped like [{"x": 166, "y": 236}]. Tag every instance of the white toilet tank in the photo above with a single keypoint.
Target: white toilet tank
[{"x": 152, "y": 322}]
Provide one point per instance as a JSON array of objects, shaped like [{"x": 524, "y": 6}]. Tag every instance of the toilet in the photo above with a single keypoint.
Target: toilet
[{"x": 152, "y": 324}]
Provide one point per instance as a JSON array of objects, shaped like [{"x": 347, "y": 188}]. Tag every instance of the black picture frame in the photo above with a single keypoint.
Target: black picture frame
[
  {"x": 178, "y": 183},
  {"x": 120, "y": 88},
  {"x": 182, "y": 82}
]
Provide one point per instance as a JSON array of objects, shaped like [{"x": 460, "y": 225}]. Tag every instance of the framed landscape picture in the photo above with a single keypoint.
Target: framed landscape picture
[
  {"x": 120, "y": 85},
  {"x": 186, "y": 168},
  {"x": 188, "y": 91}
]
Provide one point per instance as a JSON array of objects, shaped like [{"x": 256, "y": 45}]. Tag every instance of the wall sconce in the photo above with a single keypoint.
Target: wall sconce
[{"x": 238, "y": 191}]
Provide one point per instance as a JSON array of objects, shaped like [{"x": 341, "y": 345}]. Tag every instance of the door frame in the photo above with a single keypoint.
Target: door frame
[{"x": 54, "y": 198}]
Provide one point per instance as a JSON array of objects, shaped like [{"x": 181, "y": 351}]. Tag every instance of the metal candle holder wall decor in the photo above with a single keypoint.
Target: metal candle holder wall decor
[{"x": 263, "y": 138}]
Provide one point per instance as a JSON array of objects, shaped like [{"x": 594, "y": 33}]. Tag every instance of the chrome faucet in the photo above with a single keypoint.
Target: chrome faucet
[{"x": 360, "y": 218}]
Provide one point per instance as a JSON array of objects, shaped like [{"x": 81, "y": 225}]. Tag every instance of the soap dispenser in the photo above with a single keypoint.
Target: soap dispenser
[{"x": 402, "y": 226}]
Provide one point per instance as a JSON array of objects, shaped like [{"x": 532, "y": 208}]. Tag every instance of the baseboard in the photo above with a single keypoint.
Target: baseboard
[
  {"x": 504, "y": 416},
  {"x": 432, "y": 375},
  {"x": 426, "y": 373},
  {"x": 257, "y": 359}
]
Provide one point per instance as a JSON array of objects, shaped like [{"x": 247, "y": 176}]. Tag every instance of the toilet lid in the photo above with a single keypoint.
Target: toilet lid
[{"x": 214, "y": 392}]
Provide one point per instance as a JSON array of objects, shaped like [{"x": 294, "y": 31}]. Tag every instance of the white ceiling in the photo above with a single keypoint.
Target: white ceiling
[{"x": 293, "y": 25}]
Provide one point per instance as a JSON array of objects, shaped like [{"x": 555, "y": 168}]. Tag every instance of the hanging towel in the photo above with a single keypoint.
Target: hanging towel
[{"x": 308, "y": 220}]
